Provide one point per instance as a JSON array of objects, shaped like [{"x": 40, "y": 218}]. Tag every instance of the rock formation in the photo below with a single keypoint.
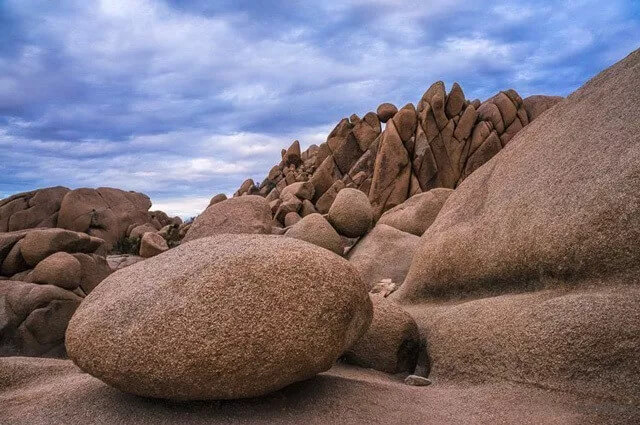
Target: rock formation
[{"x": 438, "y": 144}]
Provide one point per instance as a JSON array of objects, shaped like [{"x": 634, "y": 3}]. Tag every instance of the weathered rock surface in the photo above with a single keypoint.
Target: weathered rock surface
[
  {"x": 37, "y": 208},
  {"x": 94, "y": 269},
  {"x": 386, "y": 111},
  {"x": 33, "y": 318},
  {"x": 391, "y": 343},
  {"x": 139, "y": 231},
  {"x": 384, "y": 253},
  {"x": 218, "y": 198},
  {"x": 537, "y": 104},
  {"x": 417, "y": 213},
  {"x": 45, "y": 391},
  {"x": 117, "y": 262},
  {"x": 245, "y": 214},
  {"x": 583, "y": 342},
  {"x": 436, "y": 145},
  {"x": 315, "y": 229},
  {"x": 252, "y": 314},
  {"x": 586, "y": 220}
]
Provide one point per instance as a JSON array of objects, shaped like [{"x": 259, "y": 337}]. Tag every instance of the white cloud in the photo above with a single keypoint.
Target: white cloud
[{"x": 185, "y": 207}]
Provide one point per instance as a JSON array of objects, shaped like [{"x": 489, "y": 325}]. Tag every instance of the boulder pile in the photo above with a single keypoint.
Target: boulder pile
[
  {"x": 437, "y": 144},
  {"x": 45, "y": 274},
  {"x": 520, "y": 283}
]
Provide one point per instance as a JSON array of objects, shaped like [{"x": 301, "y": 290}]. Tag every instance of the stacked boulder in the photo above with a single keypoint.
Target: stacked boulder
[
  {"x": 70, "y": 260},
  {"x": 436, "y": 145},
  {"x": 46, "y": 273},
  {"x": 108, "y": 213},
  {"x": 38, "y": 208},
  {"x": 349, "y": 218}
]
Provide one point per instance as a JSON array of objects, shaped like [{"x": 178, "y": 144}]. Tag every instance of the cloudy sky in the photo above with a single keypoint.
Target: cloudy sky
[{"x": 186, "y": 99}]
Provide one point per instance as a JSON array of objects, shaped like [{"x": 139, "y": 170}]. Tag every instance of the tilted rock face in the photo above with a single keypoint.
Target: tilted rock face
[
  {"x": 547, "y": 218},
  {"x": 436, "y": 145},
  {"x": 152, "y": 244},
  {"x": 537, "y": 104},
  {"x": 417, "y": 213},
  {"x": 245, "y": 214},
  {"x": 33, "y": 318},
  {"x": 228, "y": 316}
]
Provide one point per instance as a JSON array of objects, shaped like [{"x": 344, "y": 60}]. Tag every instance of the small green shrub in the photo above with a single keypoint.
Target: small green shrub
[{"x": 127, "y": 245}]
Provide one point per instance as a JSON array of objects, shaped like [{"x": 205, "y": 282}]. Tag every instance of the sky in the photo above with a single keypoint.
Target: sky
[{"x": 185, "y": 99}]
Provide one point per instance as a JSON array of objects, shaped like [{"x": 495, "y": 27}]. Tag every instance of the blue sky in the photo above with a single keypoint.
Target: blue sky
[{"x": 185, "y": 99}]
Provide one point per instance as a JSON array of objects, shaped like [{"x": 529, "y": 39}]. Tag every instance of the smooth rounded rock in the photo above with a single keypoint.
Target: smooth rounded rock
[
  {"x": 60, "y": 269},
  {"x": 417, "y": 213},
  {"x": 386, "y": 111},
  {"x": 39, "y": 244},
  {"x": 315, "y": 229},
  {"x": 351, "y": 213},
  {"x": 223, "y": 317},
  {"x": 244, "y": 214}
]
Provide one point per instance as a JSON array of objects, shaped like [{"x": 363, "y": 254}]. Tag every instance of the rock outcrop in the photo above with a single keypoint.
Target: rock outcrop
[
  {"x": 38, "y": 208},
  {"x": 107, "y": 213},
  {"x": 228, "y": 316},
  {"x": 104, "y": 212},
  {"x": 55, "y": 257},
  {"x": 560, "y": 225}
]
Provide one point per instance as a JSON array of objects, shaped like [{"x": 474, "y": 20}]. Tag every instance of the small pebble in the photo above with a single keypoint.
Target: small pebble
[{"x": 418, "y": 381}]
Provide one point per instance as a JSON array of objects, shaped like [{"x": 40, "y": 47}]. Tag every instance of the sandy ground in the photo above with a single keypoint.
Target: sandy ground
[{"x": 47, "y": 391}]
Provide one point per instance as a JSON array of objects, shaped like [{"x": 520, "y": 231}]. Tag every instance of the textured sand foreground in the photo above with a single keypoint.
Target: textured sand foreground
[{"x": 47, "y": 391}]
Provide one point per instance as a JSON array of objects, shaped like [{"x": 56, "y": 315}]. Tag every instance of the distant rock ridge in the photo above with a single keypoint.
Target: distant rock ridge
[
  {"x": 105, "y": 212},
  {"x": 436, "y": 145}
]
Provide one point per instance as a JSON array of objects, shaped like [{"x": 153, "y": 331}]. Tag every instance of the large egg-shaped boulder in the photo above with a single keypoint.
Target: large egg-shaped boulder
[{"x": 221, "y": 317}]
